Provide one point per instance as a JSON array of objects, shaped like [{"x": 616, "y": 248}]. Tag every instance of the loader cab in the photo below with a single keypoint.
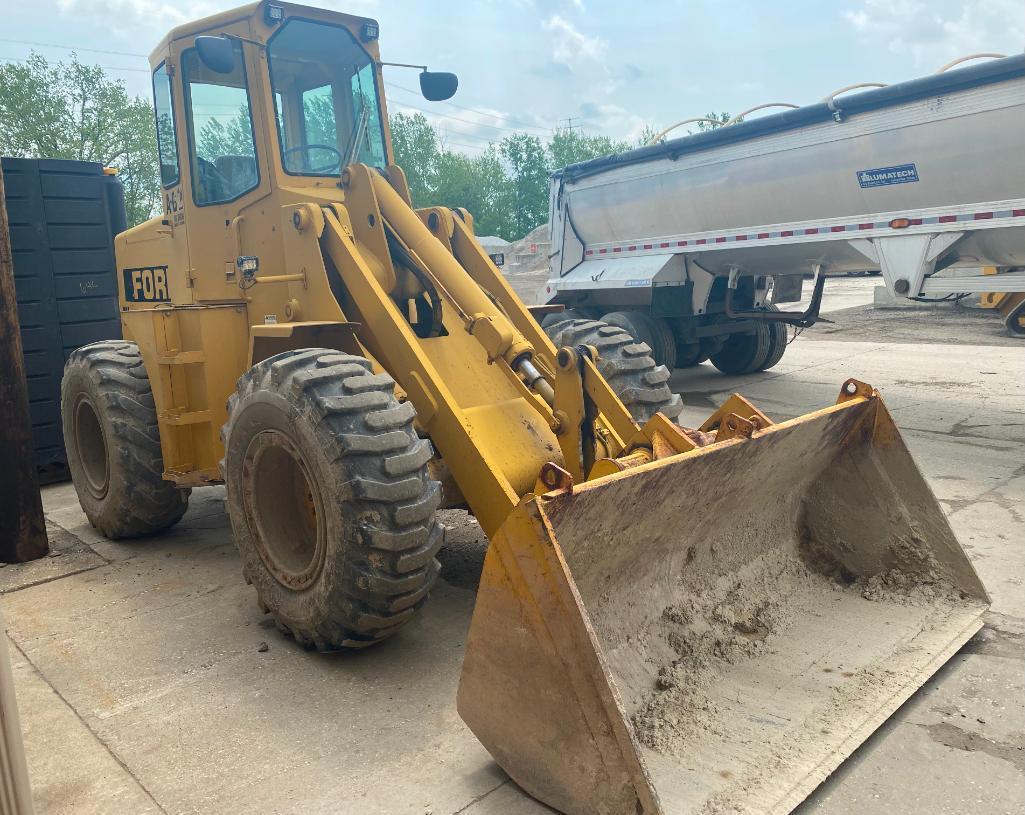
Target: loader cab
[{"x": 257, "y": 108}]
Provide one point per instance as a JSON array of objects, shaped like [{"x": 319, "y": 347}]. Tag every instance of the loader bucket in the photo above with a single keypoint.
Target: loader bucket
[{"x": 718, "y": 630}]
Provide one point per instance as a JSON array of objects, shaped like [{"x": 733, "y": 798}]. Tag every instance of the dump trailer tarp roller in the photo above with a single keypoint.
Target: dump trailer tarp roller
[{"x": 718, "y": 630}]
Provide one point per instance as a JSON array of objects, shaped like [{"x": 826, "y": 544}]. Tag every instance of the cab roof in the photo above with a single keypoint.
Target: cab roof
[{"x": 216, "y": 22}]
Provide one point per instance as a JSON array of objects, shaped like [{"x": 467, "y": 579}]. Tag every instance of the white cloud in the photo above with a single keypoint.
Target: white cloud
[
  {"x": 175, "y": 12},
  {"x": 933, "y": 33},
  {"x": 571, "y": 47},
  {"x": 609, "y": 118},
  {"x": 584, "y": 56},
  {"x": 150, "y": 11}
]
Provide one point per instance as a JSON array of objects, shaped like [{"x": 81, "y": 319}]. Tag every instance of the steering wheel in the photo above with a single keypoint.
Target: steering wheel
[{"x": 306, "y": 148}]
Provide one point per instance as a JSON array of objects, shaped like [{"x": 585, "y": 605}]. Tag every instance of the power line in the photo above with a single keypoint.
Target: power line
[
  {"x": 75, "y": 48},
  {"x": 467, "y": 146},
  {"x": 104, "y": 67},
  {"x": 517, "y": 129},
  {"x": 457, "y": 119},
  {"x": 500, "y": 118}
]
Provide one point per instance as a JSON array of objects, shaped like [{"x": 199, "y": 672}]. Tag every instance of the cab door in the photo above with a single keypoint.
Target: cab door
[{"x": 226, "y": 168}]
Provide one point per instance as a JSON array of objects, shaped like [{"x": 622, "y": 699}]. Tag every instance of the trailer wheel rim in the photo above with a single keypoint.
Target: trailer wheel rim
[
  {"x": 284, "y": 508},
  {"x": 91, "y": 447}
]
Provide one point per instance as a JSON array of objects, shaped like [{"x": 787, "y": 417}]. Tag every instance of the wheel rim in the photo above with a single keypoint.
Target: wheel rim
[
  {"x": 284, "y": 508},
  {"x": 91, "y": 447}
]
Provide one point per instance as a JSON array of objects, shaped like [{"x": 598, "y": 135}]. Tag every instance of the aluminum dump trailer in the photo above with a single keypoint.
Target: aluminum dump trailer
[{"x": 689, "y": 236}]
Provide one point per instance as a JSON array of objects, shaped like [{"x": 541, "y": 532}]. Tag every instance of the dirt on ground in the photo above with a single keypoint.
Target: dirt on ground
[{"x": 971, "y": 326}]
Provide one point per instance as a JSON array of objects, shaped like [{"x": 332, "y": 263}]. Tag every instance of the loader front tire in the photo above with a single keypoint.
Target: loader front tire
[
  {"x": 113, "y": 442},
  {"x": 330, "y": 501},
  {"x": 625, "y": 363}
]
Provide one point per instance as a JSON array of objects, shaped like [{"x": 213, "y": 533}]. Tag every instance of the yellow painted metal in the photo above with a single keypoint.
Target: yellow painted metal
[
  {"x": 715, "y": 630},
  {"x": 193, "y": 354},
  {"x": 553, "y": 674}
]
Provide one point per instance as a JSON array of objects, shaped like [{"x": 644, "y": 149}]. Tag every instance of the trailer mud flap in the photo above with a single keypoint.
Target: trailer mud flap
[{"x": 715, "y": 631}]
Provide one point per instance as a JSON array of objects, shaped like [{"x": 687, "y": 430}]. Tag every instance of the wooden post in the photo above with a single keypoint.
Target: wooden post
[{"x": 22, "y": 529}]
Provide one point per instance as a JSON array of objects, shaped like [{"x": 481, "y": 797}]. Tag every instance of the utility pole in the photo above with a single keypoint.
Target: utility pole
[
  {"x": 569, "y": 124},
  {"x": 22, "y": 528}
]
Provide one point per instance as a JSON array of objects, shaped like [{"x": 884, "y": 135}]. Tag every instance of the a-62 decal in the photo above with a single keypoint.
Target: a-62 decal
[{"x": 147, "y": 284}]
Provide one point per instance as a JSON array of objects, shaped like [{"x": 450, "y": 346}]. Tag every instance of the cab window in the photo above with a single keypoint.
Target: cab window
[
  {"x": 167, "y": 148},
  {"x": 220, "y": 126},
  {"x": 325, "y": 91}
]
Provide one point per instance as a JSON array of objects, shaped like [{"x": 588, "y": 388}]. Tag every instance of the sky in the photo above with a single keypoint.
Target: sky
[{"x": 608, "y": 68}]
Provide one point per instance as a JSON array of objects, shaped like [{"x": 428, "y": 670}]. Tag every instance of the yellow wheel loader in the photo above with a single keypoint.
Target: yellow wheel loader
[{"x": 668, "y": 620}]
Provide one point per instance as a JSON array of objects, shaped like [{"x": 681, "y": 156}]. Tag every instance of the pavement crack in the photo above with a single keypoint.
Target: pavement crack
[
  {"x": 51, "y": 578},
  {"x": 481, "y": 797},
  {"x": 86, "y": 725}
]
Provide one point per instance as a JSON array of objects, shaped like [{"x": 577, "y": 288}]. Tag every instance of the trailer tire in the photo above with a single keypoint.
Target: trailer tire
[
  {"x": 777, "y": 342},
  {"x": 652, "y": 331},
  {"x": 756, "y": 350},
  {"x": 625, "y": 363},
  {"x": 690, "y": 354},
  {"x": 113, "y": 442},
  {"x": 742, "y": 353},
  {"x": 330, "y": 500},
  {"x": 1012, "y": 322}
]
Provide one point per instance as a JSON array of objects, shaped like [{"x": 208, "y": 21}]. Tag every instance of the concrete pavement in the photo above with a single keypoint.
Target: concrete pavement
[{"x": 143, "y": 685}]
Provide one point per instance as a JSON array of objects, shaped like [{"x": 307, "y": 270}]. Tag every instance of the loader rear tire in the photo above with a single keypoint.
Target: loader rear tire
[
  {"x": 625, "y": 363},
  {"x": 330, "y": 501},
  {"x": 113, "y": 442}
]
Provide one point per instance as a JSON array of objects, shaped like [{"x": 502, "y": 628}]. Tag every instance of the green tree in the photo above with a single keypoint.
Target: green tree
[
  {"x": 571, "y": 147},
  {"x": 647, "y": 134},
  {"x": 75, "y": 111},
  {"x": 721, "y": 118},
  {"x": 480, "y": 184},
  {"x": 529, "y": 170},
  {"x": 416, "y": 149}
]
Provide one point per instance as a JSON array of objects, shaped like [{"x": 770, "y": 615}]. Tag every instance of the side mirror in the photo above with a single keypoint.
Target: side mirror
[
  {"x": 216, "y": 53},
  {"x": 437, "y": 86}
]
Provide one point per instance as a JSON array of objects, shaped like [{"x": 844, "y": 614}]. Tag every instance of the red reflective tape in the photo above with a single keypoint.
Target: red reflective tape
[
  {"x": 948, "y": 219},
  {"x": 663, "y": 246},
  {"x": 786, "y": 233},
  {"x": 631, "y": 249},
  {"x": 700, "y": 241},
  {"x": 1017, "y": 213},
  {"x": 602, "y": 251},
  {"x": 813, "y": 231},
  {"x": 740, "y": 237},
  {"x": 681, "y": 243},
  {"x": 647, "y": 246},
  {"x": 837, "y": 228},
  {"x": 866, "y": 226},
  {"x": 763, "y": 234},
  {"x": 720, "y": 240},
  {"x": 915, "y": 222},
  {"x": 590, "y": 252},
  {"x": 982, "y": 216},
  {"x": 618, "y": 249}
]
